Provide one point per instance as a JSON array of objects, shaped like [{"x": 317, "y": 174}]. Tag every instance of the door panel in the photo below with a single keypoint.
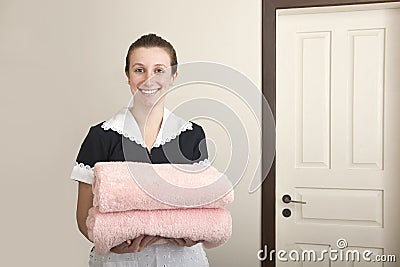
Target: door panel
[{"x": 338, "y": 133}]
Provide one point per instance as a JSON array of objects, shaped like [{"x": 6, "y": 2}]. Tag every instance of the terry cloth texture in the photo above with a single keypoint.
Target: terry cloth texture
[
  {"x": 123, "y": 186},
  {"x": 185, "y": 201},
  {"x": 107, "y": 230}
]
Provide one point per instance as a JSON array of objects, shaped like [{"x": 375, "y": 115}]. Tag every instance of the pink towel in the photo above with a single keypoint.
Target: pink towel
[
  {"x": 107, "y": 230},
  {"x": 122, "y": 186}
]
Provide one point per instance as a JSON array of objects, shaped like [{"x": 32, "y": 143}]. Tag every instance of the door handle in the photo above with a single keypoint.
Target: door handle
[{"x": 288, "y": 199}]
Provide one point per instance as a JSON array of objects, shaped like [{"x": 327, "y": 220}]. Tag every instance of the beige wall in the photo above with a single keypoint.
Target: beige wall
[{"x": 61, "y": 69}]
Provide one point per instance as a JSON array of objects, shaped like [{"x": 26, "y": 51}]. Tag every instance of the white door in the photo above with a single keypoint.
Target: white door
[{"x": 338, "y": 136}]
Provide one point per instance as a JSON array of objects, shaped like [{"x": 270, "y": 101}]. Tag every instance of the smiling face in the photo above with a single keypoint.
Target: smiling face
[{"x": 149, "y": 75}]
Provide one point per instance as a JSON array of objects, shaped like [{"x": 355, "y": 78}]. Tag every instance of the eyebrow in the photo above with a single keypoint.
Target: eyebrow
[
  {"x": 141, "y": 64},
  {"x": 137, "y": 64}
]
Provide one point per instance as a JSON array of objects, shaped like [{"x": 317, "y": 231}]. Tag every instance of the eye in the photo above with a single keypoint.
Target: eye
[
  {"x": 139, "y": 70},
  {"x": 160, "y": 70}
]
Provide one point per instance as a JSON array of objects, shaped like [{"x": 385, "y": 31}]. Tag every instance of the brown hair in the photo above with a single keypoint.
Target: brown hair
[{"x": 152, "y": 40}]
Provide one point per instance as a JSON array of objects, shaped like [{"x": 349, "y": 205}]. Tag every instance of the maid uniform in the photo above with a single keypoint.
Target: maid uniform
[{"x": 119, "y": 139}]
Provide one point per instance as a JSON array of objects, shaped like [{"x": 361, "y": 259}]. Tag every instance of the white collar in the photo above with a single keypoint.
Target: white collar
[{"x": 124, "y": 123}]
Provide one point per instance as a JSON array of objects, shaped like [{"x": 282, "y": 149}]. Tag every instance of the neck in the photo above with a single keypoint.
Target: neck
[{"x": 149, "y": 117}]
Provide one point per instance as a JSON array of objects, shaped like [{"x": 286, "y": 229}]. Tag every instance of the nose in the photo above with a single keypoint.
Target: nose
[
  {"x": 148, "y": 79},
  {"x": 149, "y": 75}
]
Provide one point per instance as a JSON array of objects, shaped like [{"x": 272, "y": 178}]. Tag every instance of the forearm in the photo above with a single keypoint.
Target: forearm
[
  {"x": 83, "y": 228},
  {"x": 85, "y": 202}
]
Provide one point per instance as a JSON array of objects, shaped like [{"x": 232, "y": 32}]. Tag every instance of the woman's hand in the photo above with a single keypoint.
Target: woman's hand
[
  {"x": 183, "y": 242},
  {"x": 135, "y": 245},
  {"x": 122, "y": 248}
]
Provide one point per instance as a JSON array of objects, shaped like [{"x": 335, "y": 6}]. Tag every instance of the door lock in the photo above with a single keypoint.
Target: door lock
[
  {"x": 286, "y": 213},
  {"x": 288, "y": 199}
]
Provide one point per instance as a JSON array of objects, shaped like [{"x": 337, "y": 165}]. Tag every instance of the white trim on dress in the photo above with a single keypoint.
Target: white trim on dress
[
  {"x": 82, "y": 173},
  {"x": 124, "y": 123}
]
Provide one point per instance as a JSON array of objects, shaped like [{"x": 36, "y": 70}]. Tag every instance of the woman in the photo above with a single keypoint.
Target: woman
[{"x": 144, "y": 132}]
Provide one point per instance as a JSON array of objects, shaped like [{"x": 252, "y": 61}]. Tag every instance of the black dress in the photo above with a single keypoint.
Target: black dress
[{"x": 119, "y": 139}]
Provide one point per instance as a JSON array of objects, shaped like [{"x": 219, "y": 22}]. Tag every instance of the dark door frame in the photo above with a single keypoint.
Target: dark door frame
[{"x": 269, "y": 91}]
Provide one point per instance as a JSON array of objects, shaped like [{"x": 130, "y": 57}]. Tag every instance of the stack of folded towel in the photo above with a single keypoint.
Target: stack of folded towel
[{"x": 168, "y": 200}]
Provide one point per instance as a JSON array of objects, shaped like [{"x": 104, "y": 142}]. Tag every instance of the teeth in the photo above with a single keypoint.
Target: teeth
[{"x": 149, "y": 92}]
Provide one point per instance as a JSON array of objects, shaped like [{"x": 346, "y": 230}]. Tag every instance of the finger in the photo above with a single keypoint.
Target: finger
[
  {"x": 122, "y": 246},
  {"x": 188, "y": 242},
  {"x": 181, "y": 241},
  {"x": 155, "y": 239},
  {"x": 192, "y": 243},
  {"x": 114, "y": 250},
  {"x": 173, "y": 241},
  {"x": 135, "y": 243},
  {"x": 119, "y": 248},
  {"x": 145, "y": 241}
]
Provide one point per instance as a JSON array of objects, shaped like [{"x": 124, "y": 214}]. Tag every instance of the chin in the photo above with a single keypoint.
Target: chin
[{"x": 149, "y": 102}]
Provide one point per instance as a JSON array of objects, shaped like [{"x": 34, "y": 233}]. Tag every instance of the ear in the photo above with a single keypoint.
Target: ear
[
  {"x": 173, "y": 77},
  {"x": 127, "y": 75}
]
